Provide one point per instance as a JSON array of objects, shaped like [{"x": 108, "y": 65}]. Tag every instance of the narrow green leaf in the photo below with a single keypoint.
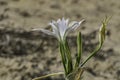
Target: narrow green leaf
[
  {"x": 92, "y": 54},
  {"x": 69, "y": 57},
  {"x": 101, "y": 39},
  {"x": 79, "y": 49},
  {"x": 63, "y": 56},
  {"x": 102, "y": 31}
]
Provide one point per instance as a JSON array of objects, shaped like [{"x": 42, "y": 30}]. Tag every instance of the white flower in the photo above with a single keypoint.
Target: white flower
[{"x": 61, "y": 28}]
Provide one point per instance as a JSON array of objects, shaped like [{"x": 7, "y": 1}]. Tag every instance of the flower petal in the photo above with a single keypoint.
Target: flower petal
[
  {"x": 47, "y": 32},
  {"x": 74, "y": 25},
  {"x": 62, "y": 26},
  {"x": 55, "y": 30},
  {"x": 66, "y": 22},
  {"x": 44, "y": 31}
]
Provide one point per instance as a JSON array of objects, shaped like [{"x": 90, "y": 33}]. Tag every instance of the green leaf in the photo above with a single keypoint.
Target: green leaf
[
  {"x": 102, "y": 31},
  {"x": 92, "y": 54},
  {"x": 79, "y": 49},
  {"x": 69, "y": 57},
  {"x": 63, "y": 56},
  {"x": 101, "y": 39}
]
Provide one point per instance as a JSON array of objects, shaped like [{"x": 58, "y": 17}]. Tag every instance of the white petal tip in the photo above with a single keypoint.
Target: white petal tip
[
  {"x": 82, "y": 21},
  {"x": 36, "y": 29}
]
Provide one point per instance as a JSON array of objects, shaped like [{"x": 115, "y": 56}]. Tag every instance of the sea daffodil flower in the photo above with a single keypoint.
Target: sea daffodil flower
[{"x": 61, "y": 28}]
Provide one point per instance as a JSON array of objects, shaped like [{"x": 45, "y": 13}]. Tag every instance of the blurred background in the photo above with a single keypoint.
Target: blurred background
[{"x": 25, "y": 55}]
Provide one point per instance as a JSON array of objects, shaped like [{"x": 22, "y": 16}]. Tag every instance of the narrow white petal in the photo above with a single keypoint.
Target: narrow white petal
[
  {"x": 38, "y": 29},
  {"x": 74, "y": 25},
  {"x": 77, "y": 26},
  {"x": 47, "y": 32},
  {"x": 66, "y": 22},
  {"x": 59, "y": 20},
  {"x": 63, "y": 25},
  {"x": 54, "y": 29},
  {"x": 81, "y": 21},
  {"x": 54, "y": 22}
]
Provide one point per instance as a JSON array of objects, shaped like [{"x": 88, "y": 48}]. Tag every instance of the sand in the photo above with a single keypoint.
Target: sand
[{"x": 25, "y": 55}]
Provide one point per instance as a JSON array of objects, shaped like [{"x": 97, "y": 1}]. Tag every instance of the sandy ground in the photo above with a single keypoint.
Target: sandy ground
[{"x": 25, "y": 55}]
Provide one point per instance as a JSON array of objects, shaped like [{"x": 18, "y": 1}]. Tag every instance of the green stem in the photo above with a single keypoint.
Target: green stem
[
  {"x": 69, "y": 57},
  {"x": 93, "y": 53},
  {"x": 63, "y": 56}
]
